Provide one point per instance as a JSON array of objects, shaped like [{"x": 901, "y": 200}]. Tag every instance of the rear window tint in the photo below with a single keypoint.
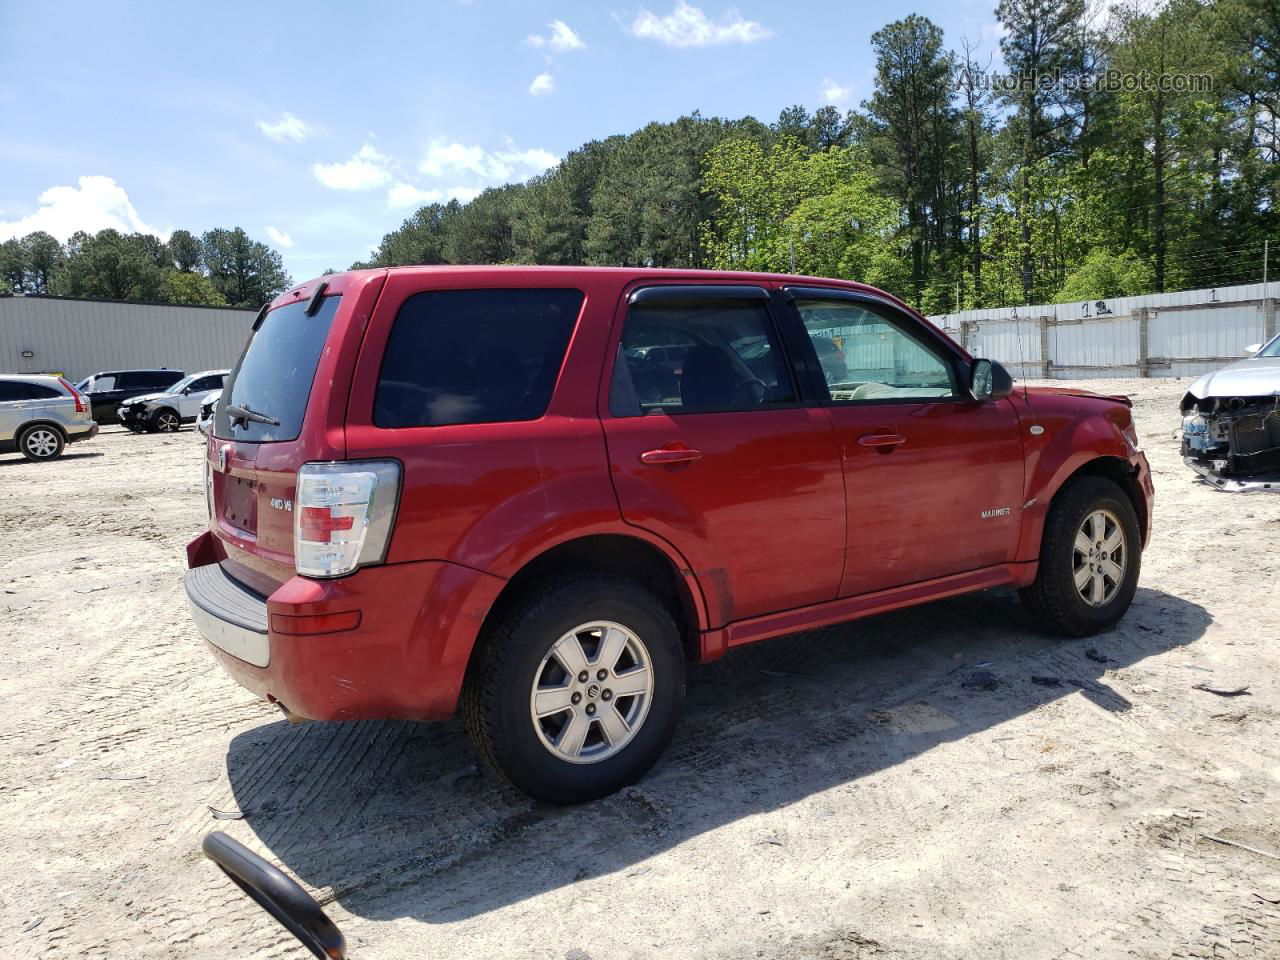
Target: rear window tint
[
  {"x": 38, "y": 391},
  {"x": 474, "y": 356},
  {"x": 10, "y": 391},
  {"x": 275, "y": 372}
]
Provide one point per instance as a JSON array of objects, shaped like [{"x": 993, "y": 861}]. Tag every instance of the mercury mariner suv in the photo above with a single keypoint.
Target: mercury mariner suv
[{"x": 478, "y": 488}]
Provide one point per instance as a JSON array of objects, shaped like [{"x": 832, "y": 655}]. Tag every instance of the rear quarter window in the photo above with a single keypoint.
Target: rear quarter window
[{"x": 474, "y": 356}]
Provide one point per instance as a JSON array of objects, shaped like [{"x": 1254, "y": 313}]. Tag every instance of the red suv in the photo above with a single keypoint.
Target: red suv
[{"x": 441, "y": 486}]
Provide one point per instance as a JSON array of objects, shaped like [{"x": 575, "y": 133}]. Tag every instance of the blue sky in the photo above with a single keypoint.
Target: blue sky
[{"x": 318, "y": 127}]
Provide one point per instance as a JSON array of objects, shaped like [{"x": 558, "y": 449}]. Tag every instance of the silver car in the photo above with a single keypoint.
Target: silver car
[
  {"x": 1231, "y": 423},
  {"x": 40, "y": 415}
]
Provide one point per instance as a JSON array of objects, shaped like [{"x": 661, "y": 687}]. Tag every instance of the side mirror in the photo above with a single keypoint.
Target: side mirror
[
  {"x": 989, "y": 380},
  {"x": 277, "y": 894},
  {"x": 1252, "y": 348}
]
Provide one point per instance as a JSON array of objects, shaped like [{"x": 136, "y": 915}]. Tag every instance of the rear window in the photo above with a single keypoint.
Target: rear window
[
  {"x": 275, "y": 372},
  {"x": 474, "y": 356},
  {"x": 38, "y": 391}
]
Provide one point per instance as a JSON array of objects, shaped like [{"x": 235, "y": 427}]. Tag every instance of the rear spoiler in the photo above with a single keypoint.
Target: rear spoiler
[{"x": 1121, "y": 398}]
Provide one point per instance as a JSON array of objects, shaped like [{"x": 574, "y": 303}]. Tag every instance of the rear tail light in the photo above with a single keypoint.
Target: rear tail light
[
  {"x": 81, "y": 407},
  {"x": 342, "y": 515}
]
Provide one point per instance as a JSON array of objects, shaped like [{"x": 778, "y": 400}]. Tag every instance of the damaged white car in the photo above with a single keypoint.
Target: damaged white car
[{"x": 1231, "y": 423}]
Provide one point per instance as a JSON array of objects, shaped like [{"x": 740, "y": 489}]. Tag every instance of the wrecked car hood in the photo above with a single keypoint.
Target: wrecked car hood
[
  {"x": 1255, "y": 377},
  {"x": 145, "y": 398}
]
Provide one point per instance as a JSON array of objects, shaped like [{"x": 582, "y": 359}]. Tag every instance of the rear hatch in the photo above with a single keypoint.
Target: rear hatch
[{"x": 272, "y": 419}]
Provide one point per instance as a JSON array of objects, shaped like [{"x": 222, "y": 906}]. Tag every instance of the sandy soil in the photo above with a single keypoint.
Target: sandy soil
[{"x": 839, "y": 794}]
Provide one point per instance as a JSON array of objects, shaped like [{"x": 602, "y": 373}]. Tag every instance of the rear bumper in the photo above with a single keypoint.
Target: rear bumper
[
  {"x": 407, "y": 658},
  {"x": 83, "y": 434}
]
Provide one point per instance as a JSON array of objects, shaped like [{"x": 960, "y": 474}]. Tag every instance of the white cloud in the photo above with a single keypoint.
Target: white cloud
[
  {"x": 367, "y": 169},
  {"x": 279, "y": 237},
  {"x": 402, "y": 195},
  {"x": 834, "y": 93},
  {"x": 453, "y": 159},
  {"x": 542, "y": 84},
  {"x": 561, "y": 39},
  {"x": 688, "y": 26},
  {"x": 288, "y": 127},
  {"x": 98, "y": 203}
]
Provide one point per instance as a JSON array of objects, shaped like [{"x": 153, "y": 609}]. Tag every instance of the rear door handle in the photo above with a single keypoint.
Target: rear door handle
[
  {"x": 882, "y": 440},
  {"x": 668, "y": 455}
]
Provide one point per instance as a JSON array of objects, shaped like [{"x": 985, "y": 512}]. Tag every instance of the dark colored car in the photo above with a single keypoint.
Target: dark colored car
[
  {"x": 433, "y": 488},
  {"x": 106, "y": 390}
]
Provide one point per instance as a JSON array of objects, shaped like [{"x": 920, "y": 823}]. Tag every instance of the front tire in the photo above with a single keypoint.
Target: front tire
[
  {"x": 1090, "y": 558},
  {"x": 164, "y": 420},
  {"x": 577, "y": 689},
  {"x": 41, "y": 442}
]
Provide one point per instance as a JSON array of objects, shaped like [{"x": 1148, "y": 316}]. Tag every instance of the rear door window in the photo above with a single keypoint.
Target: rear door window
[
  {"x": 474, "y": 356},
  {"x": 719, "y": 356},
  {"x": 11, "y": 390},
  {"x": 274, "y": 375}
]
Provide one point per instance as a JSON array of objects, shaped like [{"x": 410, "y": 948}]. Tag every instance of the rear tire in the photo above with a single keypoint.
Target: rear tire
[
  {"x": 565, "y": 737},
  {"x": 1090, "y": 558},
  {"x": 41, "y": 442},
  {"x": 164, "y": 420}
]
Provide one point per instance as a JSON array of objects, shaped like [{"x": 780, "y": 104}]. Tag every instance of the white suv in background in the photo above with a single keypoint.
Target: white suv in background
[
  {"x": 40, "y": 415},
  {"x": 166, "y": 412}
]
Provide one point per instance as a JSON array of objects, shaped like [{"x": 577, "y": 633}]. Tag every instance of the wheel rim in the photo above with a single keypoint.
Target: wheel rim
[
  {"x": 591, "y": 692},
  {"x": 168, "y": 422},
  {"x": 1100, "y": 557},
  {"x": 42, "y": 443}
]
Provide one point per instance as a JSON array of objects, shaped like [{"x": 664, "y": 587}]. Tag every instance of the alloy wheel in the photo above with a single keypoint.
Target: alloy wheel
[
  {"x": 591, "y": 692},
  {"x": 1099, "y": 557},
  {"x": 42, "y": 442}
]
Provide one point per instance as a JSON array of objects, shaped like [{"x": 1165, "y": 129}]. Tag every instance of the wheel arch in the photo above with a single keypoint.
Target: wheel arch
[
  {"x": 31, "y": 424},
  {"x": 1120, "y": 472},
  {"x": 619, "y": 554}
]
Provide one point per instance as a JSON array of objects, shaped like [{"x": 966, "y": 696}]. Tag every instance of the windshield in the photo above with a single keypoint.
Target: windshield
[
  {"x": 180, "y": 385},
  {"x": 274, "y": 375},
  {"x": 1272, "y": 349}
]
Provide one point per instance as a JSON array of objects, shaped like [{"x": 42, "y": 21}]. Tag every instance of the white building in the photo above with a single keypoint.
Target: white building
[{"x": 44, "y": 334}]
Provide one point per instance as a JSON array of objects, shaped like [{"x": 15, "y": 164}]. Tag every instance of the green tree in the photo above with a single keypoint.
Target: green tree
[
  {"x": 911, "y": 130},
  {"x": 245, "y": 272},
  {"x": 192, "y": 288},
  {"x": 43, "y": 255},
  {"x": 1105, "y": 274},
  {"x": 481, "y": 232},
  {"x": 1041, "y": 47},
  {"x": 13, "y": 265},
  {"x": 185, "y": 250},
  {"x": 112, "y": 266}
]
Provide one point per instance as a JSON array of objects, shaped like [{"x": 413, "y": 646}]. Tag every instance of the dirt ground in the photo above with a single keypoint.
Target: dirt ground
[{"x": 839, "y": 794}]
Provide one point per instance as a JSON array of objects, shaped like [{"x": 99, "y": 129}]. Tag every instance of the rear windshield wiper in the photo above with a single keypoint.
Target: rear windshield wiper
[{"x": 237, "y": 412}]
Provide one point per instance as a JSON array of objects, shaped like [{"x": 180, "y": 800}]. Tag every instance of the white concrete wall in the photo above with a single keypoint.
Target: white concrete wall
[{"x": 1188, "y": 332}]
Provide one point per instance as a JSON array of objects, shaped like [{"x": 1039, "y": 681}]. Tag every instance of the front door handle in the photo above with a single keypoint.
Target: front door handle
[
  {"x": 668, "y": 455},
  {"x": 882, "y": 440}
]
